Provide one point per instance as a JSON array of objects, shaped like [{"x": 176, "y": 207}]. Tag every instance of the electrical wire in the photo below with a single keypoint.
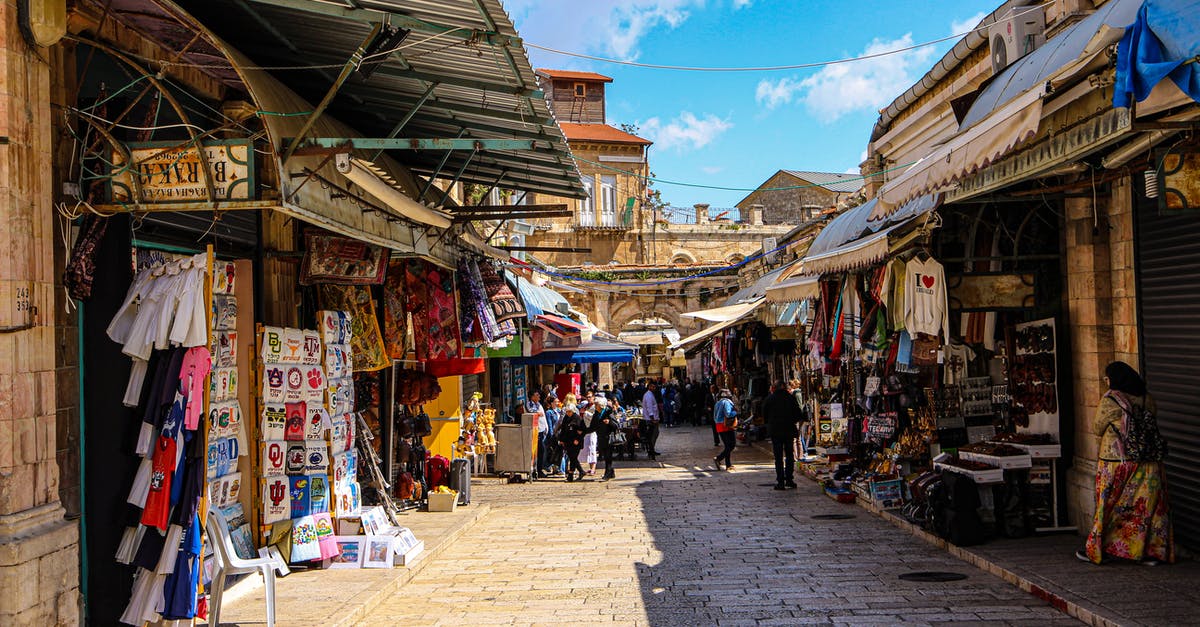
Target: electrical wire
[
  {"x": 654, "y": 179},
  {"x": 777, "y": 68}
]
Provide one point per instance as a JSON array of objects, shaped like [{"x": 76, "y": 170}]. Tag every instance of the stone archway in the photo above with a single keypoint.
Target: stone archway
[{"x": 634, "y": 308}]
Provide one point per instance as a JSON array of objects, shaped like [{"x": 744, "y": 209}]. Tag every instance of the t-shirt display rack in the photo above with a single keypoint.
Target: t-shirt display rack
[{"x": 161, "y": 317}]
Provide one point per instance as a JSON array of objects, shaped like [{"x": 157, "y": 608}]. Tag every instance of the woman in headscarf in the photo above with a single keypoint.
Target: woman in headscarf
[
  {"x": 1131, "y": 520},
  {"x": 571, "y": 431}
]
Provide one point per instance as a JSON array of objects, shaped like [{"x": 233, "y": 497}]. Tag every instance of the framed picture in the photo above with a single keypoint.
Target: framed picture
[
  {"x": 378, "y": 552},
  {"x": 404, "y": 540},
  {"x": 373, "y": 520},
  {"x": 351, "y": 551}
]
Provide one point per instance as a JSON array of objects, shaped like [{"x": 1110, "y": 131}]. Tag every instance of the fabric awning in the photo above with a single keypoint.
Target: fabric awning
[
  {"x": 723, "y": 314},
  {"x": 713, "y": 330},
  {"x": 1007, "y": 111},
  {"x": 967, "y": 152},
  {"x": 1159, "y": 45},
  {"x": 858, "y": 238},
  {"x": 559, "y": 324},
  {"x": 794, "y": 290},
  {"x": 595, "y": 351}
]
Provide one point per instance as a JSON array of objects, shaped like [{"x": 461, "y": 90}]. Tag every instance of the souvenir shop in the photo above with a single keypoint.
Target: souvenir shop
[
  {"x": 932, "y": 365},
  {"x": 274, "y": 338}
]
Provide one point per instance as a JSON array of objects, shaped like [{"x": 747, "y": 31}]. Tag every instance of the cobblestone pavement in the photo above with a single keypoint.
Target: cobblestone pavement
[{"x": 677, "y": 543}]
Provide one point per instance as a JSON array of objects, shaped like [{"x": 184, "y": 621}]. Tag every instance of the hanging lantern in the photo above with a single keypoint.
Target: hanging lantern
[{"x": 43, "y": 21}]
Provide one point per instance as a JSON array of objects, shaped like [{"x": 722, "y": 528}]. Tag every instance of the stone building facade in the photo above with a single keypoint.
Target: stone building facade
[
  {"x": 795, "y": 197},
  {"x": 631, "y": 239},
  {"x": 39, "y": 546}
]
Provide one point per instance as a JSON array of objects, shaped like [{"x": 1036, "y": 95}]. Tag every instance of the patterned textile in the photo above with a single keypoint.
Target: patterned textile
[
  {"x": 366, "y": 342},
  {"x": 504, "y": 303},
  {"x": 478, "y": 321},
  {"x": 1131, "y": 520},
  {"x": 433, "y": 302},
  {"x": 333, "y": 259},
  {"x": 395, "y": 320}
]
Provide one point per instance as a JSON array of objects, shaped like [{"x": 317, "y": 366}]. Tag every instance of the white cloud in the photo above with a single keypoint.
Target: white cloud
[
  {"x": 772, "y": 94},
  {"x": 607, "y": 27},
  {"x": 868, "y": 84},
  {"x": 959, "y": 27},
  {"x": 684, "y": 132},
  {"x": 712, "y": 169},
  {"x": 741, "y": 4}
]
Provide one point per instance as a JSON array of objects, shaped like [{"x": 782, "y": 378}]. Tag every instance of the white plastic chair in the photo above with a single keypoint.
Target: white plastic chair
[{"x": 228, "y": 563}]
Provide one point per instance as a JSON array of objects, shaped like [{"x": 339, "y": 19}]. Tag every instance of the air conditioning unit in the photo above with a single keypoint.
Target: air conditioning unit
[{"x": 1017, "y": 34}]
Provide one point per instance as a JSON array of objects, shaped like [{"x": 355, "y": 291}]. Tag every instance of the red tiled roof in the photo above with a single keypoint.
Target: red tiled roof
[
  {"x": 599, "y": 133},
  {"x": 572, "y": 75}
]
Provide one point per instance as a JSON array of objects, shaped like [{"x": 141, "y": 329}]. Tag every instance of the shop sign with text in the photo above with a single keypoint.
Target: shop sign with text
[{"x": 170, "y": 172}]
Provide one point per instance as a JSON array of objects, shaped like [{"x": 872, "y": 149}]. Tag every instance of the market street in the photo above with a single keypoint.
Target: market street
[{"x": 676, "y": 543}]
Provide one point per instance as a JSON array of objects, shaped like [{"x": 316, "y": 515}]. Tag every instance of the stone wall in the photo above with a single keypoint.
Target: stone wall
[
  {"x": 39, "y": 556},
  {"x": 790, "y": 206},
  {"x": 1102, "y": 317}
]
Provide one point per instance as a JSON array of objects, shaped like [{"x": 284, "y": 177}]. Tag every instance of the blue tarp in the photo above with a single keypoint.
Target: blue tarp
[
  {"x": 538, "y": 300},
  {"x": 596, "y": 351},
  {"x": 1163, "y": 42}
]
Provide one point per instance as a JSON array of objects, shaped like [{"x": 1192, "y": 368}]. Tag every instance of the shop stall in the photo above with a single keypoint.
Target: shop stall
[{"x": 930, "y": 362}]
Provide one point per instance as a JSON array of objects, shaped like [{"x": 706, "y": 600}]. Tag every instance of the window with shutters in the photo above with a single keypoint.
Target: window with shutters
[
  {"x": 587, "y": 210},
  {"x": 608, "y": 200}
]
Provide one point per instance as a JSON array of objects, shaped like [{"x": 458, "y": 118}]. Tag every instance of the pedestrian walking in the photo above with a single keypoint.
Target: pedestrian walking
[
  {"x": 604, "y": 426},
  {"x": 652, "y": 416},
  {"x": 571, "y": 431},
  {"x": 725, "y": 421},
  {"x": 782, "y": 414},
  {"x": 1131, "y": 520},
  {"x": 553, "y": 451}
]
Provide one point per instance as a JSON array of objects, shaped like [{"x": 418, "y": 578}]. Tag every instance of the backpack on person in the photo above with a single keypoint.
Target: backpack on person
[{"x": 1138, "y": 439}]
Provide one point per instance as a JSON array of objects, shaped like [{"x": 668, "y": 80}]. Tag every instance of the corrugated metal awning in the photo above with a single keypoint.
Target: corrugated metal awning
[
  {"x": 461, "y": 73},
  {"x": 856, "y": 238}
]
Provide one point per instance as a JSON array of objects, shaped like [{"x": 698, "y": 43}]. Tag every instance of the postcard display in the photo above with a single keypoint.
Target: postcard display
[{"x": 306, "y": 438}]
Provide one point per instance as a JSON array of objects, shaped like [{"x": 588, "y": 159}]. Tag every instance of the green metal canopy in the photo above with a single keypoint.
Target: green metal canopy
[{"x": 455, "y": 97}]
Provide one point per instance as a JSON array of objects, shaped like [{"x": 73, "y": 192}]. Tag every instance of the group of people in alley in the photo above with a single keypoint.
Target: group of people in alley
[{"x": 577, "y": 432}]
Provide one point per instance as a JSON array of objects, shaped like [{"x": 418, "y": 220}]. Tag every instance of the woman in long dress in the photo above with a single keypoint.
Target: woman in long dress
[
  {"x": 588, "y": 454},
  {"x": 1131, "y": 520}
]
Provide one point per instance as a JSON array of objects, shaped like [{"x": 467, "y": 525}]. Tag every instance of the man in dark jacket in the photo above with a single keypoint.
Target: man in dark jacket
[{"x": 783, "y": 414}]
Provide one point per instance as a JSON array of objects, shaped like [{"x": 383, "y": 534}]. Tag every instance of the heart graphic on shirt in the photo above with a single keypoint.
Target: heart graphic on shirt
[{"x": 927, "y": 280}]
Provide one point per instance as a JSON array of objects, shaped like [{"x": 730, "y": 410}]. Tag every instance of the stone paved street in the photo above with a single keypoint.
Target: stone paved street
[{"x": 676, "y": 543}]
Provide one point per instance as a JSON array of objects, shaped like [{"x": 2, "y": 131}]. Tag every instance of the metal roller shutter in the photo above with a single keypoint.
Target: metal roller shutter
[
  {"x": 1169, "y": 299},
  {"x": 471, "y": 384}
]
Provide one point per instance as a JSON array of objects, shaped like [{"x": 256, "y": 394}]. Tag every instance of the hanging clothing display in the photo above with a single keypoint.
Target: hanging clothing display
[
  {"x": 504, "y": 303},
  {"x": 165, "y": 307},
  {"x": 478, "y": 318},
  {"x": 395, "y": 317},
  {"x": 925, "y": 298},
  {"x": 367, "y": 347},
  {"x": 432, "y": 302}
]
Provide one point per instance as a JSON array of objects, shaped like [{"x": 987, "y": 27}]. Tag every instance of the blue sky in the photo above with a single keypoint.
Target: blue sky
[{"x": 736, "y": 129}]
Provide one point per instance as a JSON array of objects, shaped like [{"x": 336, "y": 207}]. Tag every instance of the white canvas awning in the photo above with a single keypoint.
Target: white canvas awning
[
  {"x": 748, "y": 308},
  {"x": 794, "y": 289},
  {"x": 723, "y": 314}
]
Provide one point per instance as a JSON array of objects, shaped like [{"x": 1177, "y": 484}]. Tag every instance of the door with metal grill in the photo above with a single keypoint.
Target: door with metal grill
[{"x": 1168, "y": 272}]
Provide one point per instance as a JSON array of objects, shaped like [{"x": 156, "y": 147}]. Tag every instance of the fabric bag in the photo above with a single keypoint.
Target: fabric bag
[
  {"x": 925, "y": 350},
  {"x": 1138, "y": 438}
]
